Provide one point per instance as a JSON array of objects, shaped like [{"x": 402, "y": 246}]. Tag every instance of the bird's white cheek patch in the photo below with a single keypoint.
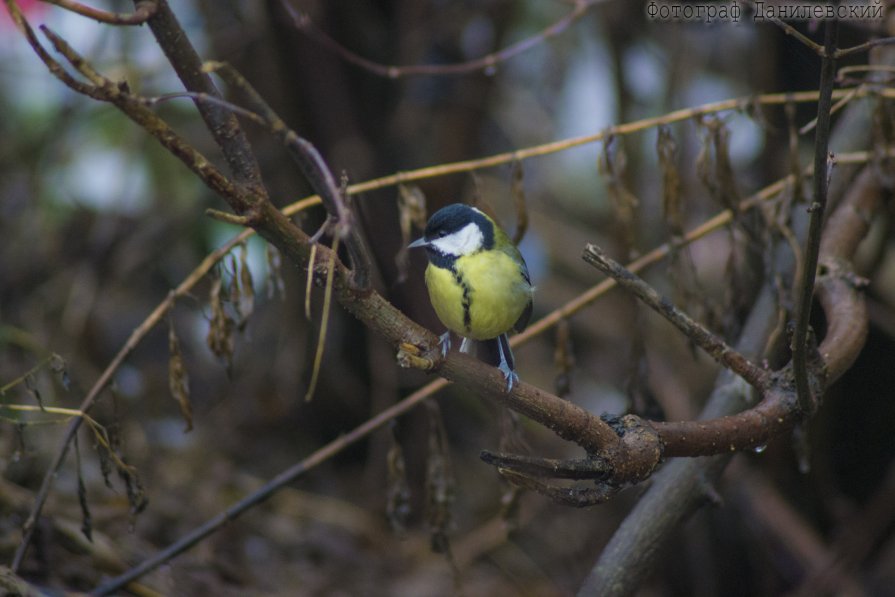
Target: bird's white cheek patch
[{"x": 467, "y": 240}]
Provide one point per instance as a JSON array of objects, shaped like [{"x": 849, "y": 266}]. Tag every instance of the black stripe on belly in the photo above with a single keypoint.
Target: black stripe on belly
[
  {"x": 449, "y": 262},
  {"x": 467, "y": 291}
]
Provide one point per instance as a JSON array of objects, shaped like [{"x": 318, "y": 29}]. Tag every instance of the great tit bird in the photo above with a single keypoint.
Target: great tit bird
[{"x": 478, "y": 282}]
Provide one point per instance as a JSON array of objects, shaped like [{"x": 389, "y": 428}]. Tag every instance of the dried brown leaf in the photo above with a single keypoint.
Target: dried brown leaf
[
  {"x": 59, "y": 367},
  {"x": 275, "y": 285},
  {"x": 412, "y": 209},
  {"x": 136, "y": 495},
  {"x": 309, "y": 281},
  {"x": 412, "y": 213},
  {"x": 31, "y": 386},
  {"x": 397, "y": 507},
  {"x": 178, "y": 379},
  {"x": 233, "y": 291},
  {"x": 716, "y": 173},
  {"x": 611, "y": 165},
  {"x": 713, "y": 163},
  {"x": 220, "y": 329},
  {"x": 440, "y": 484},
  {"x": 883, "y": 134},
  {"x": 511, "y": 441},
  {"x": 247, "y": 286},
  {"x": 563, "y": 358},
  {"x": 14, "y": 586},
  {"x": 688, "y": 291},
  {"x": 21, "y": 448},
  {"x": 113, "y": 428},
  {"x": 110, "y": 442},
  {"x": 666, "y": 149},
  {"x": 86, "y": 518},
  {"x": 105, "y": 463}
]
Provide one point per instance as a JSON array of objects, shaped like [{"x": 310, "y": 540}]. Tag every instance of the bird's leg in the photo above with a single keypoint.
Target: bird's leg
[
  {"x": 506, "y": 365},
  {"x": 465, "y": 345},
  {"x": 445, "y": 341}
]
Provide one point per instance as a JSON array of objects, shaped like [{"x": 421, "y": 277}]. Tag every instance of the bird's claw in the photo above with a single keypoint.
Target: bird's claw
[{"x": 508, "y": 374}]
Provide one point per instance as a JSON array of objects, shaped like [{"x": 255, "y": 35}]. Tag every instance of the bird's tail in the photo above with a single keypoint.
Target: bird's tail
[
  {"x": 496, "y": 352},
  {"x": 488, "y": 351}
]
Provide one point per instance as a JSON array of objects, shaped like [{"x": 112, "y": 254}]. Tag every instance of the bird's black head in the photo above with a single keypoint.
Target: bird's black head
[{"x": 447, "y": 230}]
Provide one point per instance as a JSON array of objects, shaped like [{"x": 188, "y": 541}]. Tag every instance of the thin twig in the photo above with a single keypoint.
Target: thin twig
[
  {"x": 500, "y": 159},
  {"x": 302, "y": 22},
  {"x": 882, "y": 41},
  {"x": 695, "y": 331},
  {"x": 863, "y": 68},
  {"x": 792, "y": 31},
  {"x": 799, "y": 344},
  {"x": 56, "y": 69},
  {"x": 836, "y": 107},
  {"x": 144, "y": 11},
  {"x": 226, "y": 217},
  {"x": 23, "y": 377},
  {"x": 309, "y": 282}
]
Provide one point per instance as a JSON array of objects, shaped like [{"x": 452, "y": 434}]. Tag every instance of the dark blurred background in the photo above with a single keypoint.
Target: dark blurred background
[{"x": 98, "y": 223}]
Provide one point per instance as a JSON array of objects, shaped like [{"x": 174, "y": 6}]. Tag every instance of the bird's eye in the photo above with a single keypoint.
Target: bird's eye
[{"x": 442, "y": 233}]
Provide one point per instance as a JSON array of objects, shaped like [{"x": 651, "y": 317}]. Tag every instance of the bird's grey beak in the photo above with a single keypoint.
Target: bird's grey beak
[{"x": 420, "y": 242}]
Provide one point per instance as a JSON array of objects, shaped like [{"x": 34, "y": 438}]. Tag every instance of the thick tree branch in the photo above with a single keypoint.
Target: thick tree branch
[
  {"x": 682, "y": 486},
  {"x": 838, "y": 288},
  {"x": 221, "y": 122}
]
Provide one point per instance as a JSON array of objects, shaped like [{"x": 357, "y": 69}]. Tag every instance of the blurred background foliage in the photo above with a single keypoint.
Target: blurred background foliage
[{"x": 98, "y": 223}]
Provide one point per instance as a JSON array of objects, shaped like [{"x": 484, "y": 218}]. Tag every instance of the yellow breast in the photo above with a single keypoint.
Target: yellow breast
[{"x": 483, "y": 295}]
